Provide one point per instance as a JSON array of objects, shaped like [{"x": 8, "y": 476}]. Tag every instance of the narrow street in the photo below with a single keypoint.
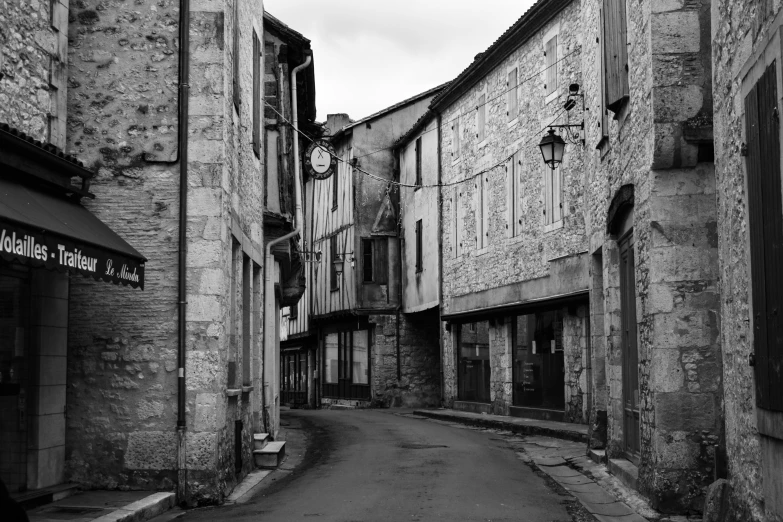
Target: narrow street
[{"x": 364, "y": 465}]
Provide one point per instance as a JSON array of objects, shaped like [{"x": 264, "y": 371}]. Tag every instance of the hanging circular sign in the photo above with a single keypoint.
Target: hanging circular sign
[{"x": 320, "y": 160}]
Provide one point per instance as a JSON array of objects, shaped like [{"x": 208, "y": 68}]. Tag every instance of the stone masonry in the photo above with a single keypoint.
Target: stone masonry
[{"x": 122, "y": 385}]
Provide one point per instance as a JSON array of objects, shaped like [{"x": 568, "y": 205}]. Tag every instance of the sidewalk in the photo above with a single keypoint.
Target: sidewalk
[
  {"x": 559, "y": 450},
  {"x": 105, "y": 506}
]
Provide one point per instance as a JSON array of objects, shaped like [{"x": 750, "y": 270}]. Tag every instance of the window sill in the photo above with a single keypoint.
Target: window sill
[
  {"x": 513, "y": 240},
  {"x": 456, "y": 160},
  {"x": 334, "y": 289},
  {"x": 482, "y": 251},
  {"x": 770, "y": 423},
  {"x": 233, "y": 392},
  {"x": 247, "y": 389},
  {"x": 512, "y": 123},
  {"x": 334, "y": 207},
  {"x": 553, "y": 226},
  {"x": 482, "y": 143},
  {"x": 552, "y": 96}
]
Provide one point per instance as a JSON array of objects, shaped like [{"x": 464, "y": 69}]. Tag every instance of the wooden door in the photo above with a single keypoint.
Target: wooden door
[{"x": 630, "y": 350}]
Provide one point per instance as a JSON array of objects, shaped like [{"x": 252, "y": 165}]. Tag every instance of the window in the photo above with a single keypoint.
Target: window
[
  {"x": 237, "y": 100},
  {"x": 418, "y": 161},
  {"x": 331, "y": 359},
  {"x": 511, "y": 95},
  {"x": 334, "y": 282},
  {"x": 550, "y": 52},
  {"x": 234, "y": 320},
  {"x": 482, "y": 210},
  {"x": 246, "y": 315},
  {"x": 336, "y": 183},
  {"x": 455, "y": 138},
  {"x": 766, "y": 236},
  {"x": 615, "y": 41},
  {"x": 481, "y": 118},
  {"x": 256, "y": 95},
  {"x": 374, "y": 260},
  {"x": 514, "y": 195},
  {"x": 293, "y": 312},
  {"x": 553, "y": 205},
  {"x": 360, "y": 358},
  {"x": 419, "y": 262},
  {"x": 456, "y": 224}
]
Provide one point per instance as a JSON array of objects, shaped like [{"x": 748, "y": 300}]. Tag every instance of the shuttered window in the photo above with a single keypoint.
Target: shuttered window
[
  {"x": 511, "y": 95},
  {"x": 603, "y": 115},
  {"x": 481, "y": 118},
  {"x": 418, "y": 161},
  {"x": 513, "y": 195},
  {"x": 553, "y": 206},
  {"x": 456, "y": 225},
  {"x": 765, "y": 223},
  {"x": 550, "y": 51},
  {"x": 455, "y": 138},
  {"x": 256, "y": 95},
  {"x": 615, "y": 41},
  {"x": 482, "y": 211},
  {"x": 235, "y": 50},
  {"x": 419, "y": 247}
]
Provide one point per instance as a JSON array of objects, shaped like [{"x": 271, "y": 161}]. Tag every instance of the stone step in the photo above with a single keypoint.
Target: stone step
[
  {"x": 260, "y": 440},
  {"x": 270, "y": 456},
  {"x": 38, "y": 497}
]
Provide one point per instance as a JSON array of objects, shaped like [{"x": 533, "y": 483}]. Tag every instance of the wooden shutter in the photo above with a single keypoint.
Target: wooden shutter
[
  {"x": 257, "y": 95},
  {"x": 481, "y": 118},
  {"x": 550, "y": 51},
  {"x": 511, "y": 95},
  {"x": 547, "y": 195},
  {"x": 615, "y": 40},
  {"x": 456, "y": 247},
  {"x": 455, "y": 138},
  {"x": 603, "y": 116},
  {"x": 381, "y": 263},
  {"x": 418, "y": 160},
  {"x": 557, "y": 195},
  {"x": 235, "y": 50},
  {"x": 511, "y": 207},
  {"x": 485, "y": 209},
  {"x": 765, "y": 222}
]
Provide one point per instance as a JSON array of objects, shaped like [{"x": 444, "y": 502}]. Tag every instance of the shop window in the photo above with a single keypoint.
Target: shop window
[
  {"x": 419, "y": 247},
  {"x": 765, "y": 227},
  {"x": 614, "y": 38},
  {"x": 360, "y": 359},
  {"x": 481, "y": 118},
  {"x": 331, "y": 359},
  {"x": 538, "y": 369},
  {"x": 474, "y": 369},
  {"x": 550, "y": 53},
  {"x": 418, "y": 162},
  {"x": 512, "y": 107}
]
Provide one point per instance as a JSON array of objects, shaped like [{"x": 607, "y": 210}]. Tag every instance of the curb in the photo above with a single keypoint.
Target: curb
[
  {"x": 141, "y": 510},
  {"x": 524, "y": 429}
]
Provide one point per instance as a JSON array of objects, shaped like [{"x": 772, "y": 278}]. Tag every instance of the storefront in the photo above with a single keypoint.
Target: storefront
[
  {"x": 346, "y": 368},
  {"x": 46, "y": 237}
]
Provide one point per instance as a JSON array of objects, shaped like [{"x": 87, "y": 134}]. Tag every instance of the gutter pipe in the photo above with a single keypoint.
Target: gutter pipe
[
  {"x": 270, "y": 308},
  {"x": 182, "y": 153}
]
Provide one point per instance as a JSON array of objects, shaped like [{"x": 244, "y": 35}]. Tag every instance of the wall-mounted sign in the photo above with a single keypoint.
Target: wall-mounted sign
[{"x": 320, "y": 160}]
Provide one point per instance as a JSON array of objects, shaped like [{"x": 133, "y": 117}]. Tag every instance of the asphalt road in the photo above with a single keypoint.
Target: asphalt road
[{"x": 371, "y": 465}]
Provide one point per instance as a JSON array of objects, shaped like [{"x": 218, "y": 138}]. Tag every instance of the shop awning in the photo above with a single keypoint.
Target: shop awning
[{"x": 42, "y": 229}]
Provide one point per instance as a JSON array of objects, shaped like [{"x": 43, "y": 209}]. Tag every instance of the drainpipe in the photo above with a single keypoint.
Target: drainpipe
[
  {"x": 269, "y": 290},
  {"x": 184, "y": 92},
  {"x": 440, "y": 263}
]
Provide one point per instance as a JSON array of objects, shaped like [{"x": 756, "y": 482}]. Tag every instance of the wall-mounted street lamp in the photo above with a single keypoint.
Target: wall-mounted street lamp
[
  {"x": 339, "y": 261},
  {"x": 552, "y": 145}
]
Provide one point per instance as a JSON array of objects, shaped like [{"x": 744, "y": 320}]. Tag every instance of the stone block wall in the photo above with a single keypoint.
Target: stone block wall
[
  {"x": 123, "y": 122},
  {"x": 33, "y": 62},
  {"x": 419, "y": 385},
  {"x": 741, "y": 32},
  {"x": 654, "y": 145}
]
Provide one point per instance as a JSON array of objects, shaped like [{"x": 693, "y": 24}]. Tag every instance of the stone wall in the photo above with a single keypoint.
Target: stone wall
[
  {"x": 33, "y": 62},
  {"x": 740, "y": 31},
  {"x": 655, "y": 144},
  {"x": 419, "y": 383},
  {"x": 122, "y": 385}
]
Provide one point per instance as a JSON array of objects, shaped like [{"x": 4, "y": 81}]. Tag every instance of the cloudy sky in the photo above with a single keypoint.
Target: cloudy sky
[{"x": 370, "y": 54}]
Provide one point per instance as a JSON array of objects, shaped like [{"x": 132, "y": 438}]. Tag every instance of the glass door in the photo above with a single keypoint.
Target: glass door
[{"x": 474, "y": 370}]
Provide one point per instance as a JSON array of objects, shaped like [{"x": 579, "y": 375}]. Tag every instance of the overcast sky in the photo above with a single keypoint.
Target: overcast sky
[{"x": 370, "y": 54}]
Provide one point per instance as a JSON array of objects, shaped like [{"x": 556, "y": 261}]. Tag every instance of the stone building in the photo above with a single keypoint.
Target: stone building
[
  {"x": 48, "y": 241},
  {"x": 650, "y": 220},
  {"x": 168, "y": 388},
  {"x": 747, "y": 90},
  {"x": 367, "y": 350},
  {"x": 514, "y": 265}
]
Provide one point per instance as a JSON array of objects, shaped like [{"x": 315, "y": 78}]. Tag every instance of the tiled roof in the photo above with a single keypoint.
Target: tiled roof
[
  {"x": 538, "y": 15},
  {"x": 46, "y": 147},
  {"x": 284, "y": 28}
]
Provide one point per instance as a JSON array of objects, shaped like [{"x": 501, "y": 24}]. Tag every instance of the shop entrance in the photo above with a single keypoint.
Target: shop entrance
[
  {"x": 293, "y": 376},
  {"x": 538, "y": 370},
  {"x": 474, "y": 370},
  {"x": 346, "y": 371},
  {"x": 631, "y": 431},
  {"x": 14, "y": 378}
]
